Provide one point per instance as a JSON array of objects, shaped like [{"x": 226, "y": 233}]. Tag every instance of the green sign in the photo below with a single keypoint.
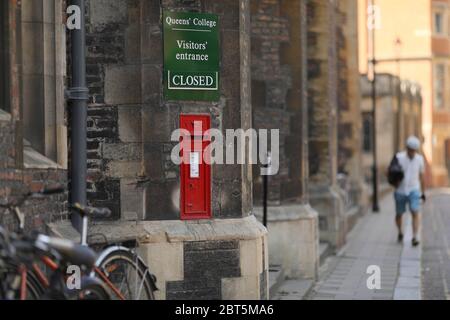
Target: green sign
[{"x": 191, "y": 56}]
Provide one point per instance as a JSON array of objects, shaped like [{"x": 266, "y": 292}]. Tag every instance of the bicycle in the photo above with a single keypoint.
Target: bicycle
[
  {"x": 112, "y": 267},
  {"x": 23, "y": 279}
]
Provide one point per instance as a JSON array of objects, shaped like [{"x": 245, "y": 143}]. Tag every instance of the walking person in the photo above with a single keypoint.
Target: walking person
[{"x": 410, "y": 189}]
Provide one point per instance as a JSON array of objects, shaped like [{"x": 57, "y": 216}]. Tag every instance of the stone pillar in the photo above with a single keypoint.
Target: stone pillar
[
  {"x": 350, "y": 169},
  {"x": 13, "y": 86},
  {"x": 279, "y": 102},
  {"x": 130, "y": 138},
  {"x": 326, "y": 197}
]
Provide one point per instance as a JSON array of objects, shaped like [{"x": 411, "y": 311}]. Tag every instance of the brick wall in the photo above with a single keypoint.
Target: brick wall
[
  {"x": 105, "y": 46},
  {"x": 14, "y": 182},
  {"x": 205, "y": 264}
]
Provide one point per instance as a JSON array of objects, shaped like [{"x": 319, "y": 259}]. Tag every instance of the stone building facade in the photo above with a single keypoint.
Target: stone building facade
[{"x": 285, "y": 64}]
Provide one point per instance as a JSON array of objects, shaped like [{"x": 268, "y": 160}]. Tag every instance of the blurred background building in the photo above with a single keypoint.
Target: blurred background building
[
  {"x": 399, "y": 105},
  {"x": 412, "y": 41}
]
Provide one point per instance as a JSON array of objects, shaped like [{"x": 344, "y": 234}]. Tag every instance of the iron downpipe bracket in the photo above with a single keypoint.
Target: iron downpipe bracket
[{"x": 77, "y": 94}]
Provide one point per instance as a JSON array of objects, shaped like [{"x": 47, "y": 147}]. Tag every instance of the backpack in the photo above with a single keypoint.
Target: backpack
[{"x": 395, "y": 173}]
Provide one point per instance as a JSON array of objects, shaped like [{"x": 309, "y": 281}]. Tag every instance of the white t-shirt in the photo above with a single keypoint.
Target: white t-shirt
[{"x": 412, "y": 169}]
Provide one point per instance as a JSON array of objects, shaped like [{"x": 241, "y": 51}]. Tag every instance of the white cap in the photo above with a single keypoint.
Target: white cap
[{"x": 413, "y": 143}]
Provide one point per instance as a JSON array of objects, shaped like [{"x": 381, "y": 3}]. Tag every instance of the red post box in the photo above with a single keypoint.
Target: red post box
[{"x": 195, "y": 191}]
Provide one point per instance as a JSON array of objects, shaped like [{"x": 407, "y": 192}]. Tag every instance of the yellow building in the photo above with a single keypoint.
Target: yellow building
[{"x": 412, "y": 41}]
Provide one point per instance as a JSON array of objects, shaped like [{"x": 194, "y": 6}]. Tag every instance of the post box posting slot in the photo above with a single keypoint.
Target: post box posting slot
[{"x": 195, "y": 191}]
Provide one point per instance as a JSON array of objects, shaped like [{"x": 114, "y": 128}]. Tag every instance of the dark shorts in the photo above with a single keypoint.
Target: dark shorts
[{"x": 412, "y": 200}]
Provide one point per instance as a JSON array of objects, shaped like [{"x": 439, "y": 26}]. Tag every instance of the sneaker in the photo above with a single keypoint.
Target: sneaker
[
  {"x": 415, "y": 242},
  {"x": 400, "y": 237}
]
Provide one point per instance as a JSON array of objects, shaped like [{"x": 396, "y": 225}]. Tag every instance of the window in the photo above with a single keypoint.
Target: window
[
  {"x": 367, "y": 131},
  {"x": 438, "y": 23},
  {"x": 439, "y": 85}
]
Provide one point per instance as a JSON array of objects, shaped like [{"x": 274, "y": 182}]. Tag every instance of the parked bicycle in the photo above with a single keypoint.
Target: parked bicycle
[
  {"x": 22, "y": 257},
  {"x": 120, "y": 269}
]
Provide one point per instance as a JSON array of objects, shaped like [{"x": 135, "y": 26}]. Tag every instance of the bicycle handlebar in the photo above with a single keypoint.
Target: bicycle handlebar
[{"x": 92, "y": 211}]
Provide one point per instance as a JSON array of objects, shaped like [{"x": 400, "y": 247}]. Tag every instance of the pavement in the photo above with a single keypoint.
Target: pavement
[
  {"x": 436, "y": 249},
  {"x": 295, "y": 289},
  {"x": 371, "y": 247}
]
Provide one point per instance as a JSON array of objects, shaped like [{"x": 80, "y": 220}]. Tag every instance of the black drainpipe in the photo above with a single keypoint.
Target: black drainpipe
[{"x": 78, "y": 97}]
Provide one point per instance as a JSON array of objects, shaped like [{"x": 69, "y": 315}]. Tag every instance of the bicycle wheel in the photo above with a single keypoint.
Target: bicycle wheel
[
  {"x": 34, "y": 289},
  {"x": 92, "y": 289},
  {"x": 127, "y": 276}
]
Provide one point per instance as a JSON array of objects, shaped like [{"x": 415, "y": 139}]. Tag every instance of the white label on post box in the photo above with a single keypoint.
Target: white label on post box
[{"x": 194, "y": 163}]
